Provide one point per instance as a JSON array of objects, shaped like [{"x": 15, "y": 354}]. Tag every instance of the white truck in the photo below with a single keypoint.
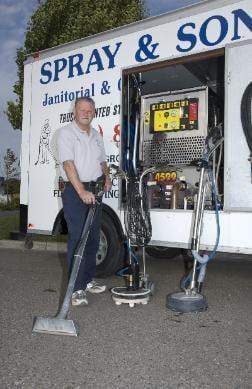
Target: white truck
[{"x": 172, "y": 78}]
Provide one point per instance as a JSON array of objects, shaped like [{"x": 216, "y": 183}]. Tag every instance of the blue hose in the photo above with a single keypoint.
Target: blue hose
[{"x": 133, "y": 255}]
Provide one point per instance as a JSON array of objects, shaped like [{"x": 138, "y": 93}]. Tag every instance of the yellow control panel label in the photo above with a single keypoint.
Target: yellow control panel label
[
  {"x": 178, "y": 115},
  {"x": 167, "y": 120}
]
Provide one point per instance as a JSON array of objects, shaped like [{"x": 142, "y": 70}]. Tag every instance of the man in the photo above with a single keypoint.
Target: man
[{"x": 83, "y": 160}]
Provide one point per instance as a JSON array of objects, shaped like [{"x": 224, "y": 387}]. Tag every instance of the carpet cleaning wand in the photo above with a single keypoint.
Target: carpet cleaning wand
[
  {"x": 190, "y": 300},
  {"x": 60, "y": 325}
]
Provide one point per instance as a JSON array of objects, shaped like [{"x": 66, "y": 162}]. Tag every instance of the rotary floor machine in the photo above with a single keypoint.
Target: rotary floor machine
[
  {"x": 60, "y": 325},
  {"x": 191, "y": 299}
]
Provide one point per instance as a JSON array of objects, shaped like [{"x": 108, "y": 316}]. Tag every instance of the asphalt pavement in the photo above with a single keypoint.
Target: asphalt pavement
[{"x": 145, "y": 347}]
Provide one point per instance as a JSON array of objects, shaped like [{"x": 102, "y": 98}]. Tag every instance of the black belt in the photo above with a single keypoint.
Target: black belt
[{"x": 89, "y": 183}]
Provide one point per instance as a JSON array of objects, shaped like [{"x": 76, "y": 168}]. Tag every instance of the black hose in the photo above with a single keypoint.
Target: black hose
[
  {"x": 137, "y": 219},
  {"x": 246, "y": 107}
]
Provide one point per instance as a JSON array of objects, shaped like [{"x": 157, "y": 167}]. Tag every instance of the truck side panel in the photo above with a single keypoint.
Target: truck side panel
[{"x": 95, "y": 70}]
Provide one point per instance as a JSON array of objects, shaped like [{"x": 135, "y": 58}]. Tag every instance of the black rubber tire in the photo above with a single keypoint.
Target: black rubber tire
[
  {"x": 179, "y": 302},
  {"x": 163, "y": 252},
  {"x": 28, "y": 243},
  {"x": 110, "y": 260}
]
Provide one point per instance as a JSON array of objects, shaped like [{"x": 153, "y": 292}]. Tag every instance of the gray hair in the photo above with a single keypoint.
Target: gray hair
[{"x": 86, "y": 99}]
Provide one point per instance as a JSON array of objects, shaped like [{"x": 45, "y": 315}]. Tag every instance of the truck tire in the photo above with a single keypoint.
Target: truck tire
[
  {"x": 110, "y": 255},
  {"x": 28, "y": 244},
  {"x": 163, "y": 252}
]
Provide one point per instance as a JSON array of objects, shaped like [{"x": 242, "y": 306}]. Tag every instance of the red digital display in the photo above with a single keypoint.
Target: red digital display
[{"x": 193, "y": 111}]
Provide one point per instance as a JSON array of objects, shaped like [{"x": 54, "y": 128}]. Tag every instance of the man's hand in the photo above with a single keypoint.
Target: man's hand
[
  {"x": 108, "y": 184},
  {"x": 87, "y": 197}
]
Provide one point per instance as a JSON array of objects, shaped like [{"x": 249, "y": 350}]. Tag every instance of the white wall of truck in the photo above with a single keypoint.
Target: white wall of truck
[{"x": 93, "y": 67}]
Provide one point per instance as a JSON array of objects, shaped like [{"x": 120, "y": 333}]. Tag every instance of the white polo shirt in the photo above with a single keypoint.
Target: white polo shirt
[{"x": 86, "y": 151}]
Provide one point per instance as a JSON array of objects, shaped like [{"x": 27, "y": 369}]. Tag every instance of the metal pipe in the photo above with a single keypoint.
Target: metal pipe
[
  {"x": 198, "y": 209},
  {"x": 177, "y": 187},
  {"x": 144, "y": 260},
  {"x": 198, "y": 222}
]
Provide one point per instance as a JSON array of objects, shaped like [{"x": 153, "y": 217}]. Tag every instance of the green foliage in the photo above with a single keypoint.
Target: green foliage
[
  {"x": 8, "y": 224},
  {"x": 14, "y": 110},
  {"x": 13, "y": 185},
  {"x": 14, "y": 203},
  {"x": 11, "y": 172},
  {"x": 10, "y": 169},
  {"x": 14, "y": 113},
  {"x": 61, "y": 21}
]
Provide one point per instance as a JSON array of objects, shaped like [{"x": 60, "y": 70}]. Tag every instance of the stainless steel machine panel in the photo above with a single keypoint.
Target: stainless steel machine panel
[{"x": 173, "y": 126}]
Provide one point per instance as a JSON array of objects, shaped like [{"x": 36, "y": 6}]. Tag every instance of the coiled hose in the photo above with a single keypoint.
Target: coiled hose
[{"x": 137, "y": 215}]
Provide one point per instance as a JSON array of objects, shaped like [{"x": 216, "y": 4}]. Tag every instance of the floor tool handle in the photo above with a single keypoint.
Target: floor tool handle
[{"x": 77, "y": 261}]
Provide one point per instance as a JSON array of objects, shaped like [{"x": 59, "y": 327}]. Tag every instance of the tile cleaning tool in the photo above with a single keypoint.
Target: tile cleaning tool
[
  {"x": 60, "y": 325},
  {"x": 191, "y": 300}
]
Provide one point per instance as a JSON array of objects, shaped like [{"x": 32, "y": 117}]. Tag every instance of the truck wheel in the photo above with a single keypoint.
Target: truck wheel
[
  {"x": 163, "y": 252},
  {"x": 111, "y": 250},
  {"x": 28, "y": 244}
]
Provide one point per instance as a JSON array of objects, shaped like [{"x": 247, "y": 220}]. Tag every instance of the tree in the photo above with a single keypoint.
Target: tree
[
  {"x": 61, "y": 21},
  {"x": 13, "y": 185},
  {"x": 11, "y": 173}
]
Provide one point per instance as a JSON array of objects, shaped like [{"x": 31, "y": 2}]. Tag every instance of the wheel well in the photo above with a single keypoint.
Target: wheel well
[
  {"x": 60, "y": 225},
  {"x": 112, "y": 214}
]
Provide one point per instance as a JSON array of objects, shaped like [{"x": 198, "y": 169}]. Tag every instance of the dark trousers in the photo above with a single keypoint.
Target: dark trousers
[{"x": 75, "y": 213}]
